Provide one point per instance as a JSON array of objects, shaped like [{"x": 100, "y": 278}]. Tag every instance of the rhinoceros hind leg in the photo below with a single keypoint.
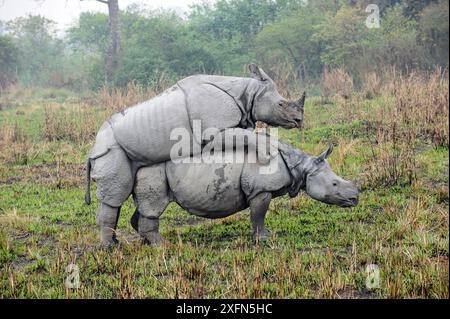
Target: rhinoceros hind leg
[
  {"x": 148, "y": 228},
  {"x": 258, "y": 209},
  {"x": 107, "y": 217}
]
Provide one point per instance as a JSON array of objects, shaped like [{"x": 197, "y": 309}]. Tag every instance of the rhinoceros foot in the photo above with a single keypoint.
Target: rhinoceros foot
[
  {"x": 110, "y": 244},
  {"x": 154, "y": 239},
  {"x": 261, "y": 235},
  {"x": 148, "y": 228}
]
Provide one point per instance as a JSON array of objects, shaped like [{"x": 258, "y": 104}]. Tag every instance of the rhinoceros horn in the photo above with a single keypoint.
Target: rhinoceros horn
[{"x": 301, "y": 100}]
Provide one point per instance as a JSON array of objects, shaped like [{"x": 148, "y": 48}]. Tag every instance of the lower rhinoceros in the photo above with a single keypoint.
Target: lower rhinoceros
[
  {"x": 215, "y": 190},
  {"x": 142, "y": 135}
]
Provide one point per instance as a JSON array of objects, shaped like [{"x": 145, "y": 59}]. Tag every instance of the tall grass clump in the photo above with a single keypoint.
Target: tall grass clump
[
  {"x": 78, "y": 123},
  {"x": 372, "y": 85},
  {"x": 116, "y": 99},
  {"x": 336, "y": 82},
  {"x": 15, "y": 144},
  {"x": 415, "y": 112}
]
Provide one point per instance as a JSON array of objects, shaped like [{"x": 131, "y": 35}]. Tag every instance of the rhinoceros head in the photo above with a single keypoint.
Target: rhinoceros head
[
  {"x": 270, "y": 107},
  {"x": 324, "y": 185}
]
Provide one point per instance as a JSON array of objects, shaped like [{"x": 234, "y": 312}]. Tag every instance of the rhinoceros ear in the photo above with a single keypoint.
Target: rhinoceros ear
[
  {"x": 257, "y": 73},
  {"x": 325, "y": 154}
]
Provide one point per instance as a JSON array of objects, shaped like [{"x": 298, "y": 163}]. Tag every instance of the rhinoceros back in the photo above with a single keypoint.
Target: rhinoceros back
[
  {"x": 212, "y": 100},
  {"x": 143, "y": 131}
]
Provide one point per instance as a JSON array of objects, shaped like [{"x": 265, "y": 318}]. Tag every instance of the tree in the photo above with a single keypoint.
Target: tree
[
  {"x": 8, "y": 61},
  {"x": 158, "y": 43},
  {"x": 114, "y": 49},
  {"x": 396, "y": 41},
  {"x": 292, "y": 38},
  {"x": 343, "y": 38},
  {"x": 91, "y": 34},
  {"x": 433, "y": 24},
  {"x": 228, "y": 18},
  {"x": 87, "y": 44},
  {"x": 412, "y": 8},
  {"x": 40, "y": 53}
]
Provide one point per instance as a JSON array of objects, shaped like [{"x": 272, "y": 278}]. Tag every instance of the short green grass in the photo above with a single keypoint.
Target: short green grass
[{"x": 317, "y": 251}]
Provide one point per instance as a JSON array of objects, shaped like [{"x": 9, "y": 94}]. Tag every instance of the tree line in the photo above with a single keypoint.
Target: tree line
[{"x": 293, "y": 39}]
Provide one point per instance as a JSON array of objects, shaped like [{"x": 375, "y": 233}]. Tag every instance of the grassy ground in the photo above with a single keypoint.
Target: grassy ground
[{"x": 316, "y": 250}]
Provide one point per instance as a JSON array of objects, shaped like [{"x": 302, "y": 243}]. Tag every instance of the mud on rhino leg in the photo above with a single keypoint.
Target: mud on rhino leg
[
  {"x": 148, "y": 228},
  {"x": 107, "y": 217},
  {"x": 258, "y": 209}
]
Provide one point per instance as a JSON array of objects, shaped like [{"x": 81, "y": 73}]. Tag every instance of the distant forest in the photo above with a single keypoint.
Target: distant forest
[{"x": 292, "y": 39}]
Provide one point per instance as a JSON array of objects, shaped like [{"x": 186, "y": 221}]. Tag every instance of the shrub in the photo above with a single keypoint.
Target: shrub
[
  {"x": 116, "y": 99},
  {"x": 77, "y": 124},
  {"x": 336, "y": 82},
  {"x": 372, "y": 85},
  {"x": 416, "y": 111},
  {"x": 15, "y": 144}
]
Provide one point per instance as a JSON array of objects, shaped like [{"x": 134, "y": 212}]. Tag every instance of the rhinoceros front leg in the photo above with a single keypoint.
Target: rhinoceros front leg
[
  {"x": 258, "y": 209},
  {"x": 148, "y": 228},
  {"x": 151, "y": 198},
  {"x": 107, "y": 217}
]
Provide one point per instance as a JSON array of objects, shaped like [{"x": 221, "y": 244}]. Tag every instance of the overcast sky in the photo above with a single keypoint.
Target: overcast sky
[{"x": 66, "y": 12}]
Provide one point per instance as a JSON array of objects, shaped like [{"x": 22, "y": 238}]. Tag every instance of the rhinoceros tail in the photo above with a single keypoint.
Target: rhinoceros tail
[{"x": 87, "y": 197}]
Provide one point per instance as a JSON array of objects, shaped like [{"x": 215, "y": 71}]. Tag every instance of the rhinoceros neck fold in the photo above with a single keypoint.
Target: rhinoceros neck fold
[
  {"x": 242, "y": 92},
  {"x": 296, "y": 162},
  {"x": 247, "y": 99}
]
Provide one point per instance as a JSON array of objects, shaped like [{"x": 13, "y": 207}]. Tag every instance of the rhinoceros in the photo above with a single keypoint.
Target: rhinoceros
[
  {"x": 216, "y": 190},
  {"x": 142, "y": 134}
]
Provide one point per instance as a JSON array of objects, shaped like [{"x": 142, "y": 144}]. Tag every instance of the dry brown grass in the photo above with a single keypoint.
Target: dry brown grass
[
  {"x": 116, "y": 99},
  {"x": 372, "y": 85},
  {"x": 11, "y": 133},
  {"x": 336, "y": 83},
  {"x": 417, "y": 111},
  {"x": 15, "y": 144},
  {"x": 77, "y": 123},
  {"x": 287, "y": 80}
]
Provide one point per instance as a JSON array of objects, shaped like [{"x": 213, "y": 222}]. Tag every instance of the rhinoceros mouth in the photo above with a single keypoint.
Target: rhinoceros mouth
[
  {"x": 291, "y": 124},
  {"x": 351, "y": 202},
  {"x": 298, "y": 123}
]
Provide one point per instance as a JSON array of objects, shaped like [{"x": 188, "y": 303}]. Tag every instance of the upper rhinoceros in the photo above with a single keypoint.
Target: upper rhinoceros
[{"x": 141, "y": 135}]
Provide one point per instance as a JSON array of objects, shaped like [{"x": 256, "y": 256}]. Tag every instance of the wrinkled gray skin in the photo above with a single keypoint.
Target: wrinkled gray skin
[
  {"x": 140, "y": 135},
  {"x": 219, "y": 190}
]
